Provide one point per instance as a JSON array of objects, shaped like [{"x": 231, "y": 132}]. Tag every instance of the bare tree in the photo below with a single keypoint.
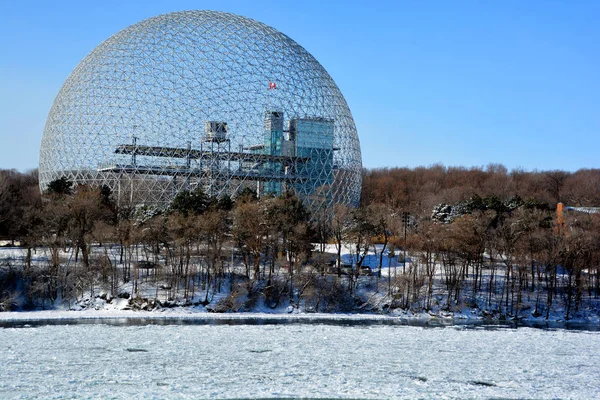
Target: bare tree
[{"x": 340, "y": 226}]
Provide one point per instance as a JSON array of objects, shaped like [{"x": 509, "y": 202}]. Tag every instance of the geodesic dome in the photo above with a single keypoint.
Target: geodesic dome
[{"x": 202, "y": 99}]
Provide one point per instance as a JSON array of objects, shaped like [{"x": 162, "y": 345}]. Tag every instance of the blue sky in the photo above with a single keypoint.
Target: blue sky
[{"x": 462, "y": 83}]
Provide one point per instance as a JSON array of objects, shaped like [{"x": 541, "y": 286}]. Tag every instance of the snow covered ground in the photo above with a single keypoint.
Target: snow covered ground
[
  {"x": 348, "y": 255},
  {"x": 371, "y": 289},
  {"x": 316, "y": 360}
]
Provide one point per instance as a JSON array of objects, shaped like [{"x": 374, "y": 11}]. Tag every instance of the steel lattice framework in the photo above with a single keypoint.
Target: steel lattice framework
[{"x": 202, "y": 99}]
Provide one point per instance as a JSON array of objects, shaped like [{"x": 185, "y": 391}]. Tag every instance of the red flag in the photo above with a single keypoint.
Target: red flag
[{"x": 272, "y": 85}]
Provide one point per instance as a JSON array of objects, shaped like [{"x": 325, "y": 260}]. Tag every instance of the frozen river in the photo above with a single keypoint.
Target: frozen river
[{"x": 296, "y": 360}]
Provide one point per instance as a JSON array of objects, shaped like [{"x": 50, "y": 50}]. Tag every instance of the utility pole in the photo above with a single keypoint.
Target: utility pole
[{"x": 405, "y": 217}]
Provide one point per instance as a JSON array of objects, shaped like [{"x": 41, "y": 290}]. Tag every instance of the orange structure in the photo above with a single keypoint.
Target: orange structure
[
  {"x": 560, "y": 219},
  {"x": 561, "y": 209}
]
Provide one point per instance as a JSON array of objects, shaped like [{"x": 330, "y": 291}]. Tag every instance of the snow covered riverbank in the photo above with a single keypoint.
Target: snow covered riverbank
[
  {"x": 196, "y": 316},
  {"x": 372, "y": 298}
]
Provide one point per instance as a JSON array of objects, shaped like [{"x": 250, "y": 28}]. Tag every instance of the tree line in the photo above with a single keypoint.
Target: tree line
[
  {"x": 483, "y": 238},
  {"x": 495, "y": 236}
]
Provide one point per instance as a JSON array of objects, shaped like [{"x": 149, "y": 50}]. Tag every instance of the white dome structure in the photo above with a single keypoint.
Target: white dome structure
[{"x": 202, "y": 99}]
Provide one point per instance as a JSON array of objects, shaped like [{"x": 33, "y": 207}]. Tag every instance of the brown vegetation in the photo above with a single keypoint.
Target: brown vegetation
[{"x": 481, "y": 238}]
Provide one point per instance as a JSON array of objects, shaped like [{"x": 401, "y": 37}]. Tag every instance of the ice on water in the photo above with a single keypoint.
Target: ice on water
[{"x": 296, "y": 360}]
